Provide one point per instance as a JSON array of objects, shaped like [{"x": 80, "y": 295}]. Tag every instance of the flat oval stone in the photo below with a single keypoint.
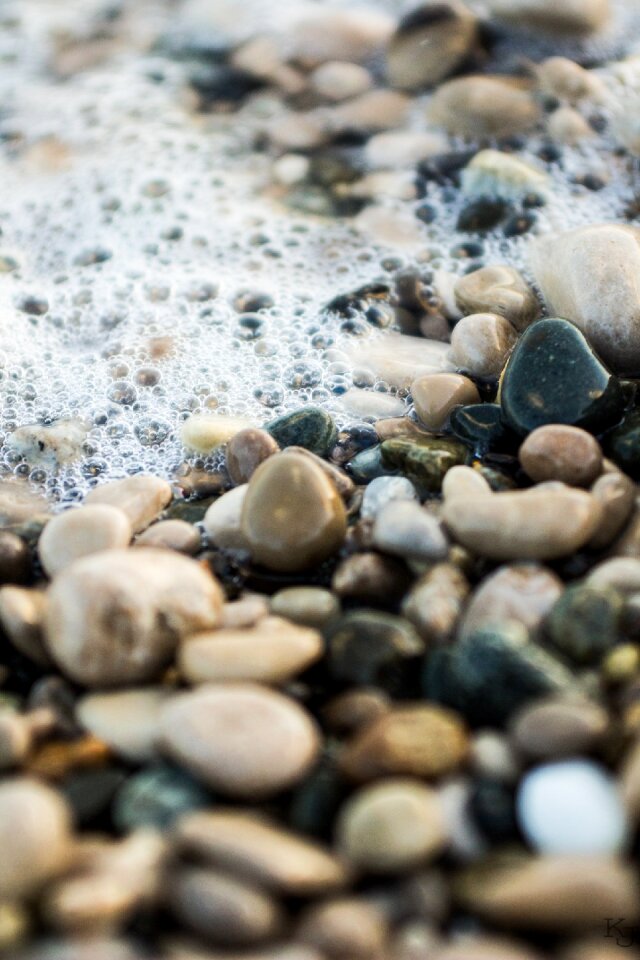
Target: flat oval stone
[
  {"x": 292, "y": 516},
  {"x": 310, "y": 427},
  {"x": 498, "y": 289},
  {"x": 308, "y": 606},
  {"x": 405, "y": 529},
  {"x": 557, "y": 727},
  {"x": 495, "y": 173},
  {"x": 260, "y": 851},
  {"x": 561, "y": 452},
  {"x": 553, "y": 376},
  {"x": 437, "y": 394},
  {"x": 78, "y": 533},
  {"x": 116, "y": 617},
  {"x": 482, "y": 106},
  {"x": 572, "y": 16},
  {"x": 536, "y": 524},
  {"x": 240, "y": 738},
  {"x": 616, "y": 494},
  {"x": 462, "y": 481},
  {"x": 272, "y": 651},
  {"x": 245, "y": 452},
  {"x": 171, "y": 535},
  {"x": 35, "y": 836},
  {"x": 429, "y": 43},
  {"x": 481, "y": 344},
  {"x": 126, "y": 720},
  {"x": 141, "y": 498},
  {"x": 391, "y": 827}
]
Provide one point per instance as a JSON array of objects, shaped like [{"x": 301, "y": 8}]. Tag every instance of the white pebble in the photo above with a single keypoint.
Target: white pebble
[{"x": 382, "y": 491}]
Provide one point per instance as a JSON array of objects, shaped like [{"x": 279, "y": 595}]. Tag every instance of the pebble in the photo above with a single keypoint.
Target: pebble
[
  {"x": 522, "y": 593},
  {"x": 618, "y": 573},
  {"x": 462, "y": 481},
  {"x": 292, "y": 515},
  {"x": 585, "y": 623},
  {"x": 140, "y": 498},
  {"x": 553, "y": 376},
  {"x": 259, "y": 851},
  {"x": 374, "y": 110},
  {"x": 623, "y": 444},
  {"x": 573, "y": 16},
  {"x": 399, "y": 359},
  {"x": 588, "y": 275},
  {"x": 429, "y": 44},
  {"x": 495, "y": 173},
  {"x": 541, "y": 523},
  {"x": 402, "y": 148},
  {"x": 481, "y": 344},
  {"x": 222, "y": 910},
  {"x": 172, "y": 535},
  {"x": 371, "y": 405},
  {"x": 368, "y": 648},
  {"x": 155, "y": 797},
  {"x": 223, "y": 520},
  {"x": 616, "y": 494},
  {"x": 489, "y": 675},
  {"x": 479, "y": 107},
  {"x": 307, "y": 606},
  {"x": 19, "y": 504},
  {"x": 404, "y": 529},
  {"x": 552, "y": 893},
  {"x": 22, "y": 616},
  {"x": 547, "y": 801},
  {"x": 435, "y": 602},
  {"x": 34, "y": 836},
  {"x": 310, "y": 427},
  {"x": 385, "y": 490},
  {"x": 412, "y": 740},
  {"x": 245, "y": 452},
  {"x": 333, "y": 34},
  {"x": 559, "y": 452},
  {"x": 348, "y": 928},
  {"x": 240, "y": 738},
  {"x": 338, "y": 80},
  {"x": 273, "y": 651},
  {"x": 126, "y": 720},
  {"x": 498, "y": 289},
  {"x": 78, "y": 533},
  {"x": 354, "y": 709},
  {"x": 367, "y": 576},
  {"x": 424, "y": 462},
  {"x": 482, "y": 214},
  {"x": 437, "y": 394},
  {"x": 556, "y": 727},
  {"x": 567, "y": 80},
  {"x": 116, "y": 617},
  {"x": 340, "y": 480},
  {"x": 51, "y": 445},
  {"x": 15, "y": 559},
  {"x": 205, "y": 432},
  {"x": 566, "y": 125}
]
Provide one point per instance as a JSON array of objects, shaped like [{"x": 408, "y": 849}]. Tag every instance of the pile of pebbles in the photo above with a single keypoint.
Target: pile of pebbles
[{"x": 358, "y": 685}]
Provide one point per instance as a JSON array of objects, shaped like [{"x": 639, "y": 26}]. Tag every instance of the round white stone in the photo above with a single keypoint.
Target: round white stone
[
  {"x": 572, "y": 807},
  {"x": 382, "y": 490}
]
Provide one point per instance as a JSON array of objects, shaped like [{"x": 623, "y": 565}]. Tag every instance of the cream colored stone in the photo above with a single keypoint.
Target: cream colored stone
[
  {"x": 171, "y": 535},
  {"x": 78, "y": 533},
  {"x": 523, "y": 593},
  {"x": 616, "y": 493},
  {"x": 205, "y": 432},
  {"x": 566, "y": 125},
  {"x": 222, "y": 521},
  {"x": 141, "y": 498},
  {"x": 402, "y": 148},
  {"x": 571, "y": 16},
  {"x": 436, "y": 395},
  {"x": 483, "y": 106},
  {"x": 375, "y": 110},
  {"x": 493, "y": 172},
  {"x": 567, "y": 80},
  {"x": 353, "y": 34},
  {"x": 435, "y": 602},
  {"x": 461, "y": 481},
  {"x": 50, "y": 444},
  {"x": 127, "y": 720},
  {"x": 498, "y": 289},
  {"x": 481, "y": 344},
  {"x": 399, "y": 359},
  {"x": 339, "y": 80}
]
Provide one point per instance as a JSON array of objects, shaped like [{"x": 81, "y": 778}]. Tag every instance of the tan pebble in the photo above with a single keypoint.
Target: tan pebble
[
  {"x": 438, "y": 394},
  {"x": 522, "y": 592},
  {"x": 16, "y": 739},
  {"x": 293, "y": 130},
  {"x": 402, "y": 148},
  {"x": 483, "y": 106},
  {"x": 341, "y": 480},
  {"x": 171, "y": 535},
  {"x": 22, "y": 615},
  {"x": 224, "y": 911},
  {"x": 435, "y": 602},
  {"x": 345, "y": 929},
  {"x": 498, "y": 289},
  {"x": 355, "y": 708},
  {"x": 78, "y": 533},
  {"x": 308, "y": 606},
  {"x": 481, "y": 344},
  {"x": 392, "y": 826},
  {"x": 496, "y": 173},
  {"x": 222, "y": 521},
  {"x": 616, "y": 494},
  {"x": 567, "y": 80},
  {"x": 205, "y": 432},
  {"x": 619, "y": 573},
  {"x": 273, "y": 651},
  {"x": 355, "y": 35},
  {"x": 553, "y": 728},
  {"x": 461, "y": 481},
  {"x": 116, "y": 617},
  {"x": 374, "y": 110},
  {"x": 412, "y": 740},
  {"x": 339, "y": 80},
  {"x": 34, "y": 836},
  {"x": 240, "y": 738},
  {"x": 537, "y": 524},
  {"x": 428, "y": 46},
  {"x": 19, "y": 503},
  {"x": 245, "y": 452},
  {"x": 566, "y": 125},
  {"x": 140, "y": 498},
  {"x": 292, "y": 516},
  {"x": 246, "y": 611},
  {"x": 262, "y": 852},
  {"x": 126, "y": 720},
  {"x": 572, "y": 16},
  {"x": 559, "y": 452},
  {"x": 555, "y": 893}
]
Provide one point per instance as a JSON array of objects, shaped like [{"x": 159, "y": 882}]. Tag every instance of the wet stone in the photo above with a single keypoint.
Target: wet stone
[
  {"x": 140, "y": 498},
  {"x": 157, "y": 796},
  {"x": 385, "y": 490},
  {"x": 559, "y": 452},
  {"x": 373, "y": 649},
  {"x": 78, "y": 533},
  {"x": 126, "y": 720},
  {"x": 520, "y": 593},
  {"x": 558, "y": 727},
  {"x": 405, "y": 529},
  {"x": 498, "y": 289},
  {"x": 345, "y": 927},
  {"x": 553, "y": 376},
  {"x": 480, "y": 426},
  {"x": 435, "y": 602},
  {"x": 623, "y": 444},
  {"x": 482, "y": 214},
  {"x": 172, "y": 535},
  {"x": 436, "y": 395},
  {"x": 310, "y": 427},
  {"x": 616, "y": 494},
  {"x": 370, "y": 578},
  {"x": 307, "y": 606},
  {"x": 429, "y": 43},
  {"x": 245, "y": 452},
  {"x": 585, "y": 623},
  {"x": 425, "y": 463}
]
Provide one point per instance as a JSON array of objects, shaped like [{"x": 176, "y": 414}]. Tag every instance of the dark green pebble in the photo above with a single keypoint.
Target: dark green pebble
[
  {"x": 310, "y": 427},
  {"x": 490, "y": 674},
  {"x": 480, "y": 426},
  {"x": 623, "y": 445},
  {"x": 482, "y": 214},
  {"x": 368, "y": 648},
  {"x": 584, "y": 623},
  {"x": 155, "y": 796},
  {"x": 554, "y": 376},
  {"x": 368, "y": 465},
  {"x": 424, "y": 462}
]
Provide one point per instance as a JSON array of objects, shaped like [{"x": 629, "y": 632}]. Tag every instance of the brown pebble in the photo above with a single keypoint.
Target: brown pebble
[
  {"x": 559, "y": 452},
  {"x": 363, "y": 576},
  {"x": 245, "y": 452},
  {"x": 616, "y": 494},
  {"x": 498, "y": 289},
  {"x": 15, "y": 561},
  {"x": 353, "y": 709},
  {"x": 171, "y": 535},
  {"x": 308, "y": 606},
  {"x": 553, "y": 728},
  {"x": 436, "y": 395},
  {"x": 435, "y": 602},
  {"x": 57, "y": 758},
  {"x": 22, "y": 617},
  {"x": 523, "y": 592},
  {"x": 345, "y": 929}
]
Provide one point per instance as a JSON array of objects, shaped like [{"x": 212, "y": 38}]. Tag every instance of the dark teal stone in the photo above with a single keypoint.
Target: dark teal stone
[
  {"x": 623, "y": 444},
  {"x": 368, "y": 648},
  {"x": 482, "y": 214},
  {"x": 480, "y": 426},
  {"x": 155, "y": 797},
  {"x": 368, "y": 465},
  {"x": 554, "y": 376},
  {"x": 490, "y": 674},
  {"x": 424, "y": 462},
  {"x": 309, "y": 427},
  {"x": 585, "y": 623}
]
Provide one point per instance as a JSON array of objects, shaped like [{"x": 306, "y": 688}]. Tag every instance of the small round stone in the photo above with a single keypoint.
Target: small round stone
[
  {"x": 241, "y": 739},
  {"x": 245, "y": 452},
  {"x": 309, "y": 427},
  {"x": 391, "y": 827},
  {"x": 572, "y": 807},
  {"x": 560, "y": 452},
  {"x": 292, "y": 516},
  {"x": 338, "y": 80},
  {"x": 141, "y": 498},
  {"x": 437, "y": 394},
  {"x": 171, "y": 535},
  {"x": 521, "y": 592},
  {"x": 407, "y": 530},
  {"x": 78, "y": 533},
  {"x": 205, "y": 432},
  {"x": 308, "y": 606},
  {"x": 34, "y": 836},
  {"x": 481, "y": 344},
  {"x": 384, "y": 490}
]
